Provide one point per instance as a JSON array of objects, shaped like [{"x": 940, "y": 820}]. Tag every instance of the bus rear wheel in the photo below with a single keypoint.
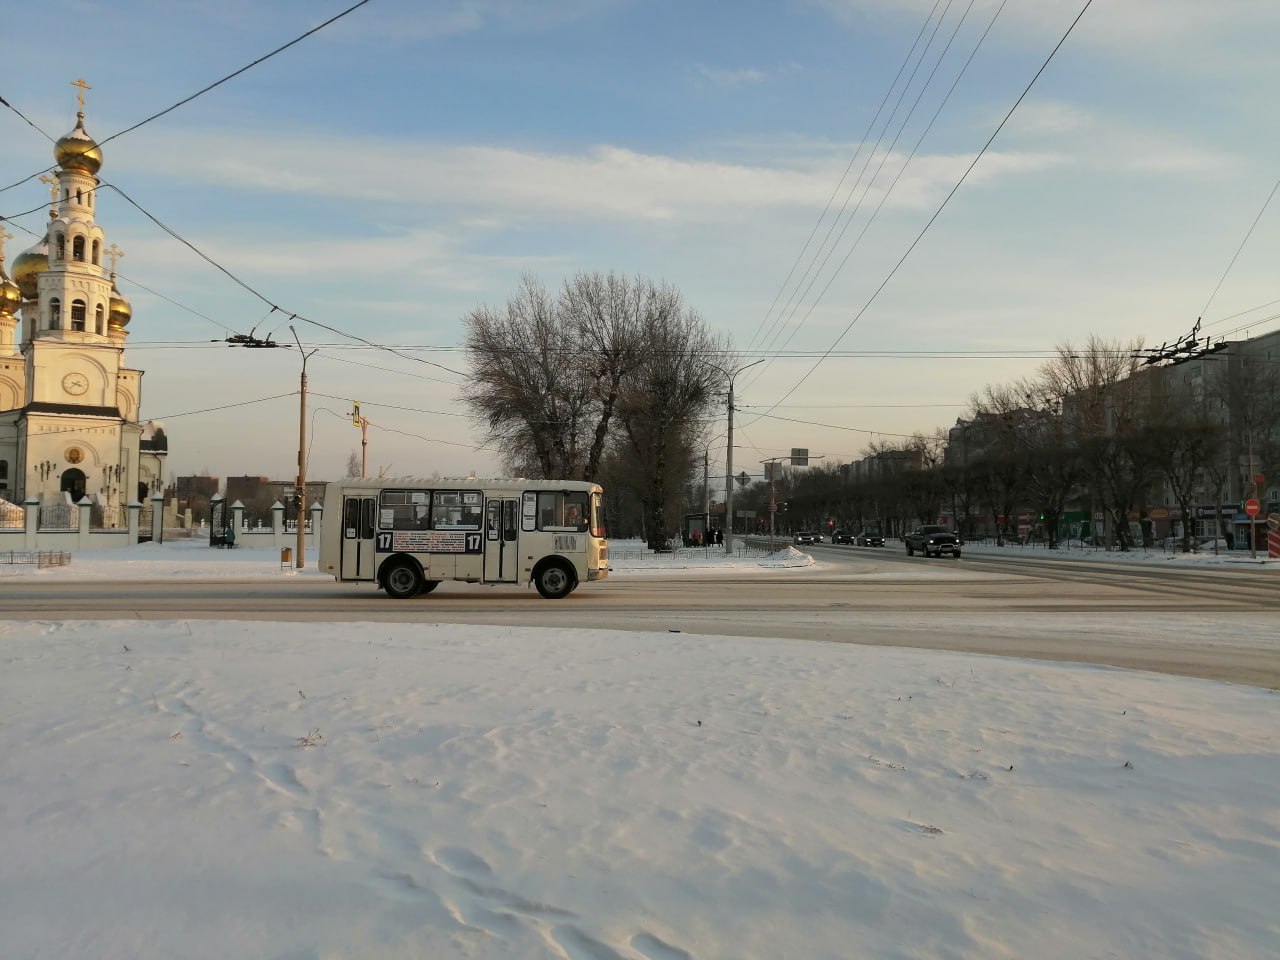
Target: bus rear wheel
[
  {"x": 402, "y": 580},
  {"x": 554, "y": 581}
]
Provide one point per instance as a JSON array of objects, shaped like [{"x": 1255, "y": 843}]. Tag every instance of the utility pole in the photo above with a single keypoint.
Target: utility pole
[
  {"x": 706, "y": 495},
  {"x": 300, "y": 560},
  {"x": 728, "y": 464}
]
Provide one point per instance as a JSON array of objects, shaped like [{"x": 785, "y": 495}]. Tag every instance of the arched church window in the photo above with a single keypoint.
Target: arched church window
[
  {"x": 60, "y": 246},
  {"x": 77, "y": 315},
  {"x": 97, "y": 253},
  {"x": 55, "y": 313},
  {"x": 99, "y": 321},
  {"x": 79, "y": 197},
  {"x": 77, "y": 249}
]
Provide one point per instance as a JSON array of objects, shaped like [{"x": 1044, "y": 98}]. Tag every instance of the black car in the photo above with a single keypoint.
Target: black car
[
  {"x": 933, "y": 541},
  {"x": 842, "y": 536},
  {"x": 870, "y": 538}
]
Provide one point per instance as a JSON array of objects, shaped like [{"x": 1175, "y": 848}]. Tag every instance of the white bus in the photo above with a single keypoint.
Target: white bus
[{"x": 407, "y": 536}]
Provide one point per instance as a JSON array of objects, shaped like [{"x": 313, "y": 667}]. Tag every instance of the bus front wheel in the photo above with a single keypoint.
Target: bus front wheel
[
  {"x": 554, "y": 581},
  {"x": 402, "y": 580}
]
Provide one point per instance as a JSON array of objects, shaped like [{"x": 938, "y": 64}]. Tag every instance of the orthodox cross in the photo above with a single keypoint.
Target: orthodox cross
[
  {"x": 53, "y": 192},
  {"x": 115, "y": 253},
  {"x": 4, "y": 235},
  {"x": 80, "y": 94}
]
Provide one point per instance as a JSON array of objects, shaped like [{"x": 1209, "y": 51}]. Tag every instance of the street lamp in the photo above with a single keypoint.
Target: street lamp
[{"x": 728, "y": 460}]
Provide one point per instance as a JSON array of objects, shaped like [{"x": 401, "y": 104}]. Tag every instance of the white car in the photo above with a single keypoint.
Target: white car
[{"x": 805, "y": 539}]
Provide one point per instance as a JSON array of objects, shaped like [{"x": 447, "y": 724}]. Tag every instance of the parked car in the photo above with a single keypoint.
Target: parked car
[
  {"x": 870, "y": 538},
  {"x": 932, "y": 541},
  {"x": 842, "y": 536},
  {"x": 804, "y": 539}
]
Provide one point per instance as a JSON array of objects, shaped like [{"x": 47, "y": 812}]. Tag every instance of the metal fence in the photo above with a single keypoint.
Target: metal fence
[
  {"x": 108, "y": 518},
  {"x": 12, "y": 516},
  {"x": 146, "y": 518},
  {"x": 58, "y": 516},
  {"x": 41, "y": 558}
]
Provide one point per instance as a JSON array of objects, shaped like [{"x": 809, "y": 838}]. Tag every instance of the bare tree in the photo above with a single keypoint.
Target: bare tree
[
  {"x": 608, "y": 314},
  {"x": 1185, "y": 438},
  {"x": 548, "y": 371},
  {"x": 662, "y": 400},
  {"x": 527, "y": 385},
  {"x": 1104, "y": 404}
]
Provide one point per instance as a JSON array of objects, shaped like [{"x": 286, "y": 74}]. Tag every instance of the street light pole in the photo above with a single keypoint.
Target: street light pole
[
  {"x": 728, "y": 465},
  {"x": 300, "y": 559}
]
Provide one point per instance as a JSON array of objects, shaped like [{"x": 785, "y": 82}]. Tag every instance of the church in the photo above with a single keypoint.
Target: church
[{"x": 69, "y": 402}]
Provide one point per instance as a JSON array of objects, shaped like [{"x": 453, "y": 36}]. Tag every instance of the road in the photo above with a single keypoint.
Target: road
[{"x": 1207, "y": 622}]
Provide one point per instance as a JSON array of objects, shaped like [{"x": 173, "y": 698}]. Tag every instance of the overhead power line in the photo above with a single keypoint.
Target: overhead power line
[
  {"x": 925, "y": 229},
  {"x": 198, "y": 93},
  {"x": 853, "y": 159},
  {"x": 866, "y": 190},
  {"x": 1247, "y": 235}
]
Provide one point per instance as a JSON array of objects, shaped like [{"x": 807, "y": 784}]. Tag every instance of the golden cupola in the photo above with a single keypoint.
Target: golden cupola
[
  {"x": 10, "y": 295},
  {"x": 121, "y": 312},
  {"x": 27, "y": 267},
  {"x": 78, "y": 151}
]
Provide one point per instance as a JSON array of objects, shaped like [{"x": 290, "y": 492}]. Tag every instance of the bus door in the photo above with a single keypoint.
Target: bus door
[
  {"x": 358, "y": 561},
  {"x": 501, "y": 549}
]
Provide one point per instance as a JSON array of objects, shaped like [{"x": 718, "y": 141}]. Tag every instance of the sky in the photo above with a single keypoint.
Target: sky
[
  {"x": 774, "y": 162},
  {"x": 328, "y": 791}
]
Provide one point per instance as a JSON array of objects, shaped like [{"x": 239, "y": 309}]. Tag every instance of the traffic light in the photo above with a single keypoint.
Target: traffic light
[{"x": 355, "y": 414}]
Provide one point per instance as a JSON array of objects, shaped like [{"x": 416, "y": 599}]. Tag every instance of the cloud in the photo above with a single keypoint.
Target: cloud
[
  {"x": 1138, "y": 28},
  {"x": 727, "y": 78},
  {"x": 1101, "y": 141},
  {"x": 452, "y": 18},
  {"x": 505, "y": 184}
]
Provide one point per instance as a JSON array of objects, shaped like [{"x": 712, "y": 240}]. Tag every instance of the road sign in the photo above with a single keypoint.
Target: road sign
[{"x": 1252, "y": 507}]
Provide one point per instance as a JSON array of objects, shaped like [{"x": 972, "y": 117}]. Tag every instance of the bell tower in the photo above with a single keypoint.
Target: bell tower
[{"x": 76, "y": 419}]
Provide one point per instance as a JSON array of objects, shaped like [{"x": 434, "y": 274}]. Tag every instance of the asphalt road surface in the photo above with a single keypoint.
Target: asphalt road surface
[{"x": 1166, "y": 620}]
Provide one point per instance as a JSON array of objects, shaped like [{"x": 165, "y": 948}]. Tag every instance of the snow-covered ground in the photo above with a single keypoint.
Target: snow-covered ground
[{"x": 202, "y": 789}]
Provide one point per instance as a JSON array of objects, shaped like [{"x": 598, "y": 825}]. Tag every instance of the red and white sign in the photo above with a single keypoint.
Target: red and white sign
[{"x": 1252, "y": 507}]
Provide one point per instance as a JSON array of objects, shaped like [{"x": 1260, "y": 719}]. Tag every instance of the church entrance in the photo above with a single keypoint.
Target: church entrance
[{"x": 73, "y": 483}]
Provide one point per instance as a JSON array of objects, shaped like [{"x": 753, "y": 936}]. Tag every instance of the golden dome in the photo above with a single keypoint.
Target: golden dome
[
  {"x": 121, "y": 312},
  {"x": 10, "y": 295},
  {"x": 27, "y": 267},
  {"x": 77, "y": 150}
]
